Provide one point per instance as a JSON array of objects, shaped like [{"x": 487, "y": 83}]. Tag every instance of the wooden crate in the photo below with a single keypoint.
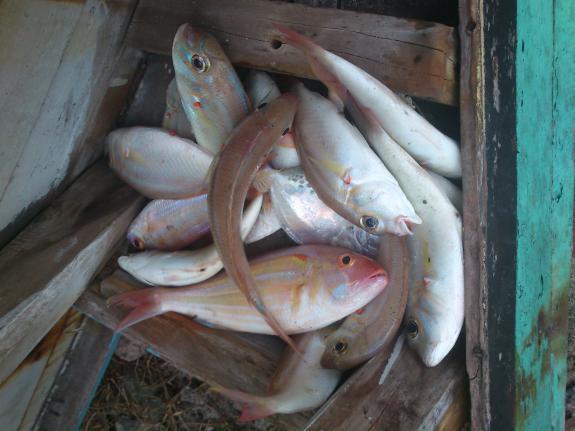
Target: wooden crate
[{"x": 516, "y": 123}]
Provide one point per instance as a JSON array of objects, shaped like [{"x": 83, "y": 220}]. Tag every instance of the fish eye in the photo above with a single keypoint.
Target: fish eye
[
  {"x": 412, "y": 329},
  {"x": 345, "y": 259},
  {"x": 340, "y": 348},
  {"x": 261, "y": 105},
  {"x": 369, "y": 223},
  {"x": 200, "y": 63}
]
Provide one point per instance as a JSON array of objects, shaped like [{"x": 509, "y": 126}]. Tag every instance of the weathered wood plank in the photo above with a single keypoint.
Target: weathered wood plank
[
  {"x": 243, "y": 362},
  {"x": 47, "y": 266},
  {"x": 53, "y": 82},
  {"x": 398, "y": 392},
  {"x": 24, "y": 391},
  {"x": 75, "y": 386},
  {"x": 412, "y": 57}
]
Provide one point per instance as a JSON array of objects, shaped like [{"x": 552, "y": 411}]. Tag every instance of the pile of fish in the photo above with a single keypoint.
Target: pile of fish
[{"x": 366, "y": 199}]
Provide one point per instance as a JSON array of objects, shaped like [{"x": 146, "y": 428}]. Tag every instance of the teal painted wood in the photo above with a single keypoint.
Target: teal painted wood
[{"x": 545, "y": 77}]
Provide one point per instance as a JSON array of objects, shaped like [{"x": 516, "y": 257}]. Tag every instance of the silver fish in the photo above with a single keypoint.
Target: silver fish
[{"x": 174, "y": 117}]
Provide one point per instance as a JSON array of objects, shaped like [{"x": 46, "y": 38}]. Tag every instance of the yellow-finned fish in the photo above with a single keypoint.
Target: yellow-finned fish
[
  {"x": 431, "y": 148},
  {"x": 305, "y": 287},
  {"x": 212, "y": 95}
]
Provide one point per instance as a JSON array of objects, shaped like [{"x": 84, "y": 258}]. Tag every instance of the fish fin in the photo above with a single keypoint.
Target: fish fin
[
  {"x": 146, "y": 303},
  {"x": 294, "y": 38},
  {"x": 264, "y": 179},
  {"x": 253, "y": 406},
  {"x": 405, "y": 224}
]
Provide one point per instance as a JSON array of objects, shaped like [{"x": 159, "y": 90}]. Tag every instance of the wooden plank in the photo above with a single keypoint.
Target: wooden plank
[
  {"x": 398, "y": 392},
  {"x": 53, "y": 82},
  {"x": 47, "y": 266},
  {"x": 76, "y": 385},
  {"x": 24, "y": 391},
  {"x": 244, "y": 362},
  {"x": 412, "y": 57}
]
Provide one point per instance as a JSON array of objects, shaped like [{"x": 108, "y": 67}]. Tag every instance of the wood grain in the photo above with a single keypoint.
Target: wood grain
[
  {"x": 47, "y": 266},
  {"x": 410, "y": 396},
  {"x": 414, "y": 57},
  {"x": 244, "y": 362},
  {"x": 76, "y": 384},
  {"x": 58, "y": 63}
]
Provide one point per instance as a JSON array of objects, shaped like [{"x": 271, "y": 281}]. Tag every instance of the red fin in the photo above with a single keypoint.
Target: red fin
[
  {"x": 146, "y": 303},
  {"x": 253, "y": 407}
]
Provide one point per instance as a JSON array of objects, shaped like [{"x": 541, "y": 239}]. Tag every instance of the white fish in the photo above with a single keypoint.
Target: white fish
[
  {"x": 300, "y": 383},
  {"x": 434, "y": 314},
  {"x": 431, "y": 148},
  {"x": 174, "y": 117},
  {"x": 450, "y": 190},
  {"x": 346, "y": 174},
  {"x": 182, "y": 268},
  {"x": 266, "y": 224}
]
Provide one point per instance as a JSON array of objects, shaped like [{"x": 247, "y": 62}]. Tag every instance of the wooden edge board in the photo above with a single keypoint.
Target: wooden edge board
[
  {"x": 412, "y": 57},
  {"x": 396, "y": 391},
  {"x": 76, "y": 385},
  {"x": 244, "y": 362},
  {"x": 48, "y": 265}
]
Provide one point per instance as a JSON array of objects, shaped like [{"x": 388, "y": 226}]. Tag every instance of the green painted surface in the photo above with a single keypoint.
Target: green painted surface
[{"x": 545, "y": 92}]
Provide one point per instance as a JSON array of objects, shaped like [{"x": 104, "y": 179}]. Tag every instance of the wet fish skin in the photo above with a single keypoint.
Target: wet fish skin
[
  {"x": 266, "y": 224},
  {"x": 364, "y": 334},
  {"x": 212, "y": 95},
  {"x": 450, "y": 190},
  {"x": 345, "y": 172},
  {"x": 158, "y": 164},
  {"x": 182, "y": 268},
  {"x": 307, "y": 220},
  {"x": 299, "y": 384},
  {"x": 431, "y": 148},
  {"x": 232, "y": 175},
  {"x": 305, "y": 287},
  {"x": 435, "y": 309},
  {"x": 174, "y": 117},
  {"x": 166, "y": 224}
]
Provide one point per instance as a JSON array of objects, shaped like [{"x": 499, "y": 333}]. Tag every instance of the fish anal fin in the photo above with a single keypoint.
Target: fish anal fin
[{"x": 145, "y": 303}]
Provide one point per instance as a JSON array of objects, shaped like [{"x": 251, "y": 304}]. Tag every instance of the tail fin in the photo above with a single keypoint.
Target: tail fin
[
  {"x": 253, "y": 406},
  {"x": 146, "y": 303}
]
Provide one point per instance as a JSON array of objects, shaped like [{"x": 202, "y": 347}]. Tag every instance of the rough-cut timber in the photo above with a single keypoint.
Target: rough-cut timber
[
  {"x": 76, "y": 384},
  {"x": 58, "y": 66},
  {"x": 48, "y": 265},
  {"x": 518, "y": 69},
  {"x": 397, "y": 392},
  {"x": 244, "y": 362},
  {"x": 23, "y": 393},
  {"x": 413, "y": 57}
]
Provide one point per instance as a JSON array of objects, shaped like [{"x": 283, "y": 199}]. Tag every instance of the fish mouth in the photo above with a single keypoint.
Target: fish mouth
[{"x": 378, "y": 273}]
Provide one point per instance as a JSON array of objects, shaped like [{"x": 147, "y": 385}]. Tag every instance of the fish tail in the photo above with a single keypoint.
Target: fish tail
[
  {"x": 253, "y": 406},
  {"x": 145, "y": 303},
  {"x": 264, "y": 179}
]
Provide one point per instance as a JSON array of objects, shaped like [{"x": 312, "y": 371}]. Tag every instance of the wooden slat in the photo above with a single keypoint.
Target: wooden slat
[
  {"x": 24, "y": 391},
  {"x": 398, "y": 392},
  {"x": 47, "y": 266},
  {"x": 413, "y": 57},
  {"x": 53, "y": 83},
  {"x": 76, "y": 385},
  {"x": 242, "y": 362}
]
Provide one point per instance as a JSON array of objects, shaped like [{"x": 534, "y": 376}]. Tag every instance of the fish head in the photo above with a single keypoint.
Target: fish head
[
  {"x": 378, "y": 212},
  {"x": 431, "y": 325},
  {"x": 359, "y": 278},
  {"x": 280, "y": 112},
  {"x": 198, "y": 56}
]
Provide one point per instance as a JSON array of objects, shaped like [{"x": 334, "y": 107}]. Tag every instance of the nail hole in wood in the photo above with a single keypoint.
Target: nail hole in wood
[{"x": 276, "y": 44}]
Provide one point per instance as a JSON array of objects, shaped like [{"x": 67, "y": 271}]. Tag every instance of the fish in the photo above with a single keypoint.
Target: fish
[
  {"x": 182, "y": 268},
  {"x": 435, "y": 309},
  {"x": 233, "y": 171},
  {"x": 345, "y": 172},
  {"x": 158, "y": 164},
  {"x": 174, "y": 117},
  {"x": 450, "y": 190},
  {"x": 299, "y": 384},
  {"x": 306, "y": 287},
  {"x": 266, "y": 224},
  {"x": 374, "y": 328},
  {"x": 212, "y": 94},
  {"x": 430, "y": 147},
  {"x": 307, "y": 220},
  {"x": 261, "y": 90},
  {"x": 166, "y": 224}
]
